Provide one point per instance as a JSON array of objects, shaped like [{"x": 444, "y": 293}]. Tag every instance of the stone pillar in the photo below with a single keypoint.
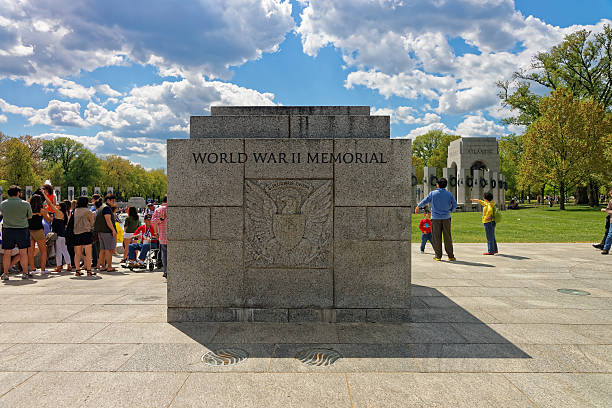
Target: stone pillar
[
  {"x": 429, "y": 180},
  {"x": 58, "y": 193},
  {"x": 486, "y": 175},
  {"x": 495, "y": 188},
  {"x": 463, "y": 189},
  {"x": 28, "y": 193},
  {"x": 502, "y": 191},
  {"x": 97, "y": 190},
  {"x": 109, "y": 190},
  {"x": 70, "y": 193},
  {"x": 476, "y": 190},
  {"x": 84, "y": 191},
  {"x": 450, "y": 174},
  {"x": 414, "y": 182}
]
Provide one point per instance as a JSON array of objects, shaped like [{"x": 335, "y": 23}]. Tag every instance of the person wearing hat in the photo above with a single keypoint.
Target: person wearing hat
[
  {"x": 150, "y": 208},
  {"x": 141, "y": 242}
]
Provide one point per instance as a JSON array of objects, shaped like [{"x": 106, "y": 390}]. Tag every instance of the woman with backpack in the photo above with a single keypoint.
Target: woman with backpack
[{"x": 489, "y": 212}]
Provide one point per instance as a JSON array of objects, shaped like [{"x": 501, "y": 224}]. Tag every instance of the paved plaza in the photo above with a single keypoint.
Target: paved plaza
[{"x": 486, "y": 332}]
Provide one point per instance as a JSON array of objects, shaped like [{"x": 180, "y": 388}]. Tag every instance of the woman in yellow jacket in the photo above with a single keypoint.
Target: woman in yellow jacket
[{"x": 488, "y": 220}]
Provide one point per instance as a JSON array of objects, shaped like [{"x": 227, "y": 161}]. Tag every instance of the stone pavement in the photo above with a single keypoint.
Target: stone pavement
[{"x": 485, "y": 331}]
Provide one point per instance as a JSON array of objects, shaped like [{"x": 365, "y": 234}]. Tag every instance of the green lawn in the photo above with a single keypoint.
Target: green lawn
[{"x": 534, "y": 224}]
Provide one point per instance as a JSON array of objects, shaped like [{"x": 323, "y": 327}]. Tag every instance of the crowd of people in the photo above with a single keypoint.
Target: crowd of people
[{"x": 82, "y": 233}]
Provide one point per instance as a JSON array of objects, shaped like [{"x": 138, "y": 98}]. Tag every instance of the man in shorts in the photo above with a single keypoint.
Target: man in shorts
[
  {"x": 104, "y": 225},
  {"x": 15, "y": 229}
]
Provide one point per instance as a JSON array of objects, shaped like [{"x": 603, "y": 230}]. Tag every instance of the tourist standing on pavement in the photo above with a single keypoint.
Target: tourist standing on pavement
[
  {"x": 488, "y": 220},
  {"x": 129, "y": 226},
  {"x": 15, "y": 229},
  {"x": 442, "y": 204},
  {"x": 608, "y": 243},
  {"x": 37, "y": 233},
  {"x": 609, "y": 207},
  {"x": 159, "y": 224},
  {"x": 83, "y": 221},
  {"x": 107, "y": 234},
  {"x": 59, "y": 227}
]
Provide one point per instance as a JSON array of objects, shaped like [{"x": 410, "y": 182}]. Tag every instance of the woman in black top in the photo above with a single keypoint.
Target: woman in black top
[
  {"x": 59, "y": 227},
  {"x": 37, "y": 233}
]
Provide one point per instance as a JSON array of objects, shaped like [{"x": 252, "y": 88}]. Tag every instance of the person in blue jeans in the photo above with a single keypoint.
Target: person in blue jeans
[
  {"x": 425, "y": 227},
  {"x": 143, "y": 235},
  {"x": 608, "y": 243}
]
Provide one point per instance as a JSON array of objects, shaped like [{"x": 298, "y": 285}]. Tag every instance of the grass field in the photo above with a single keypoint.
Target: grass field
[{"x": 532, "y": 224}]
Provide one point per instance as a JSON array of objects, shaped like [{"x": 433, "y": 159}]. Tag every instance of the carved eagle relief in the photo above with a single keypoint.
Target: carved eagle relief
[{"x": 288, "y": 223}]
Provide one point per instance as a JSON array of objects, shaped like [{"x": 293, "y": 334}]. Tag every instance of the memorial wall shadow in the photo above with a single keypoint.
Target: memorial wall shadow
[{"x": 438, "y": 328}]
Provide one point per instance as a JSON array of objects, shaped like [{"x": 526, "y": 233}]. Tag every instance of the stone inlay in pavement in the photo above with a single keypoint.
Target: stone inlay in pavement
[
  {"x": 225, "y": 357},
  {"x": 575, "y": 292},
  {"x": 319, "y": 357}
]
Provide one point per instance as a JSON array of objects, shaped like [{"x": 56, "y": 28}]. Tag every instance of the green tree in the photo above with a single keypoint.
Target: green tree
[
  {"x": 566, "y": 142},
  {"x": 85, "y": 170},
  {"x": 63, "y": 151},
  {"x": 17, "y": 165},
  {"x": 432, "y": 149},
  {"x": 510, "y": 153}
]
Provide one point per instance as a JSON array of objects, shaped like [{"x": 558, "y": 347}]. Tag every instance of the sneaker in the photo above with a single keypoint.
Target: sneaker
[
  {"x": 44, "y": 272},
  {"x": 165, "y": 275},
  {"x": 452, "y": 258},
  {"x": 605, "y": 252},
  {"x": 488, "y": 253},
  {"x": 437, "y": 259},
  {"x": 598, "y": 246},
  {"x": 4, "y": 277},
  {"x": 495, "y": 252},
  {"x": 422, "y": 252},
  {"x": 25, "y": 275},
  {"x": 29, "y": 274}
]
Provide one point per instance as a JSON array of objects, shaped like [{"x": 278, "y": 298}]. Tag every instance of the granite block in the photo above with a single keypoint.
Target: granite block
[
  {"x": 389, "y": 223},
  {"x": 289, "y": 288},
  {"x": 305, "y": 315},
  {"x": 226, "y": 223},
  {"x": 350, "y": 223},
  {"x": 202, "y": 183},
  {"x": 188, "y": 223},
  {"x": 288, "y": 159},
  {"x": 288, "y": 223},
  {"x": 386, "y": 183},
  {"x": 351, "y": 315},
  {"x": 339, "y": 127},
  {"x": 205, "y": 274},
  {"x": 267, "y": 315},
  {"x": 288, "y": 110},
  {"x": 239, "y": 127},
  {"x": 372, "y": 274},
  {"x": 388, "y": 315}
]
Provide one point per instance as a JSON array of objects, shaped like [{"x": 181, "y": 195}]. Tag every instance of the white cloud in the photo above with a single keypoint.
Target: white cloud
[
  {"x": 407, "y": 115},
  {"x": 401, "y": 48},
  {"x": 478, "y": 125},
  {"x": 3, "y": 119},
  {"x": 157, "y": 109},
  {"x": 57, "y": 113},
  {"x": 427, "y": 128},
  {"x": 105, "y": 89},
  {"x": 46, "y": 39}
]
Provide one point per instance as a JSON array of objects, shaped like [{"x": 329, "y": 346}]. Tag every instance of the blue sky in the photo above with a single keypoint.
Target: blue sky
[{"x": 122, "y": 77}]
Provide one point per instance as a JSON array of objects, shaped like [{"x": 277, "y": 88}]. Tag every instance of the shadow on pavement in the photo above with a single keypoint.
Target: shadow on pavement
[{"x": 448, "y": 331}]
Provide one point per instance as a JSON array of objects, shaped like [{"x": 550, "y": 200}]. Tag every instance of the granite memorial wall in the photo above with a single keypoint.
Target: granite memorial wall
[{"x": 289, "y": 214}]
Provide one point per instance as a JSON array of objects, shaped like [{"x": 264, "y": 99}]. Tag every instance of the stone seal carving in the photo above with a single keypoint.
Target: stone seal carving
[{"x": 288, "y": 223}]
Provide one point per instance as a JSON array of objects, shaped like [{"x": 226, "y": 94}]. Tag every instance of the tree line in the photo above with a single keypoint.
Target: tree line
[
  {"x": 564, "y": 101},
  {"x": 29, "y": 161}
]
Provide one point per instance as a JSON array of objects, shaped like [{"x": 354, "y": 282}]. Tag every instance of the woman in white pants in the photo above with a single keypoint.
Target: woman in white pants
[{"x": 58, "y": 225}]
